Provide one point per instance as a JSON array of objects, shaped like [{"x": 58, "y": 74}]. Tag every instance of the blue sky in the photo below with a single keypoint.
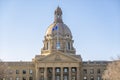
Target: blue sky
[{"x": 95, "y": 26}]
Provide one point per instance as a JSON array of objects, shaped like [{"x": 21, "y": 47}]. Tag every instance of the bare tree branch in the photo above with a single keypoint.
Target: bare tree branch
[{"x": 113, "y": 70}]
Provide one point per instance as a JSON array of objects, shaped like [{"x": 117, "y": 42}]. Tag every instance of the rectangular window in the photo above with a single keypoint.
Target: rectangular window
[
  {"x": 73, "y": 78},
  {"x": 65, "y": 77},
  {"x": 42, "y": 70},
  {"x": 24, "y": 71},
  {"x": 30, "y": 71},
  {"x": 17, "y": 71},
  {"x": 57, "y": 77},
  {"x": 49, "y": 70},
  {"x": 42, "y": 78},
  {"x": 91, "y": 71},
  {"x": 98, "y": 71},
  {"x": 85, "y": 71},
  {"x": 17, "y": 78},
  {"x": 98, "y": 78},
  {"x": 30, "y": 78},
  {"x": 24, "y": 78},
  {"x": 11, "y": 78}
]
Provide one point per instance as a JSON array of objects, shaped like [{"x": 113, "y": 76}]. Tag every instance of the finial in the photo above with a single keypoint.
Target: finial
[{"x": 58, "y": 15}]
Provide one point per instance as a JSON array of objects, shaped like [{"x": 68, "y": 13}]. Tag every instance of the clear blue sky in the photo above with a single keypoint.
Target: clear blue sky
[{"x": 95, "y": 26}]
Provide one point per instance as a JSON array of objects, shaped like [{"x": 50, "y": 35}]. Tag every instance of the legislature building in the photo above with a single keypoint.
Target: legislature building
[{"x": 58, "y": 59}]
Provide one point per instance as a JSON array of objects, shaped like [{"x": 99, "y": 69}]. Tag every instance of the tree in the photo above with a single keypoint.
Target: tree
[{"x": 112, "y": 71}]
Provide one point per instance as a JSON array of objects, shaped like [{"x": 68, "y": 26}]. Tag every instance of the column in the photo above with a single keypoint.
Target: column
[
  {"x": 69, "y": 73},
  {"x": 45, "y": 73},
  {"x": 53, "y": 75},
  {"x": 61, "y": 73},
  {"x": 37, "y": 73},
  {"x": 78, "y": 73}
]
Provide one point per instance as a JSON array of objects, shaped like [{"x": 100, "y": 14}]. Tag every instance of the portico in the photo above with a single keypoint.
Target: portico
[{"x": 58, "y": 73}]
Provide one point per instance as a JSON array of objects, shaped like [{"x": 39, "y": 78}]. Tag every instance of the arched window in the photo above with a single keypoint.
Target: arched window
[
  {"x": 84, "y": 78},
  {"x": 58, "y": 70},
  {"x": 57, "y": 45},
  {"x": 47, "y": 46},
  {"x": 68, "y": 45},
  {"x": 65, "y": 70}
]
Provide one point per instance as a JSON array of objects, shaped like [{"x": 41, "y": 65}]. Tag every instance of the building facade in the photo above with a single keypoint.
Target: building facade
[{"x": 58, "y": 59}]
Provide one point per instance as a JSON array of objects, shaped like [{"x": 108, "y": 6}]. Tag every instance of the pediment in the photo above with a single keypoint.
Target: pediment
[{"x": 59, "y": 57}]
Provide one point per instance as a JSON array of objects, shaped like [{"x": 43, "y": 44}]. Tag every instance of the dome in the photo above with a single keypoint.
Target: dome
[
  {"x": 58, "y": 36},
  {"x": 62, "y": 30}
]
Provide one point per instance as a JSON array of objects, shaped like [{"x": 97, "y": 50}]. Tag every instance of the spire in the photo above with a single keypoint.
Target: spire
[{"x": 58, "y": 15}]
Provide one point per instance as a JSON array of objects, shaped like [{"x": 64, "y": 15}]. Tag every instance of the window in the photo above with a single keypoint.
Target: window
[
  {"x": 98, "y": 78},
  {"x": 68, "y": 45},
  {"x": 17, "y": 78},
  {"x": 58, "y": 70},
  {"x": 65, "y": 70},
  {"x": 73, "y": 69},
  {"x": 98, "y": 71},
  {"x": 65, "y": 77},
  {"x": 30, "y": 71},
  {"x": 17, "y": 71},
  {"x": 42, "y": 78},
  {"x": 73, "y": 77},
  {"x": 47, "y": 45},
  {"x": 85, "y": 71},
  {"x": 30, "y": 78},
  {"x": 24, "y": 71},
  {"x": 41, "y": 70},
  {"x": 49, "y": 77},
  {"x": 57, "y": 77},
  {"x": 49, "y": 70},
  {"x": 11, "y": 78},
  {"x": 57, "y": 45},
  {"x": 91, "y": 78},
  {"x": 91, "y": 71},
  {"x": 24, "y": 78},
  {"x": 10, "y": 72},
  {"x": 84, "y": 78}
]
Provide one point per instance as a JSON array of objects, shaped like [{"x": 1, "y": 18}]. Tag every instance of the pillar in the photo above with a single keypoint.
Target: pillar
[
  {"x": 61, "y": 73},
  {"x": 37, "y": 73},
  {"x": 53, "y": 75},
  {"x": 45, "y": 73},
  {"x": 69, "y": 73},
  {"x": 78, "y": 73}
]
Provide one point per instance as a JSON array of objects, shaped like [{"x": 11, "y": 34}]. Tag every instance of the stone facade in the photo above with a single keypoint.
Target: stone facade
[{"x": 58, "y": 59}]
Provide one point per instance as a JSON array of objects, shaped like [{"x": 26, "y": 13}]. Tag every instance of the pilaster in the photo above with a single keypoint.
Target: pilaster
[
  {"x": 69, "y": 73},
  {"x": 45, "y": 73},
  {"x": 61, "y": 73},
  {"x": 78, "y": 73},
  {"x": 53, "y": 76}
]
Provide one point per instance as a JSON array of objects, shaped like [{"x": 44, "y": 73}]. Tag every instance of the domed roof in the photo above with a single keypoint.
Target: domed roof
[
  {"x": 58, "y": 36},
  {"x": 62, "y": 29}
]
